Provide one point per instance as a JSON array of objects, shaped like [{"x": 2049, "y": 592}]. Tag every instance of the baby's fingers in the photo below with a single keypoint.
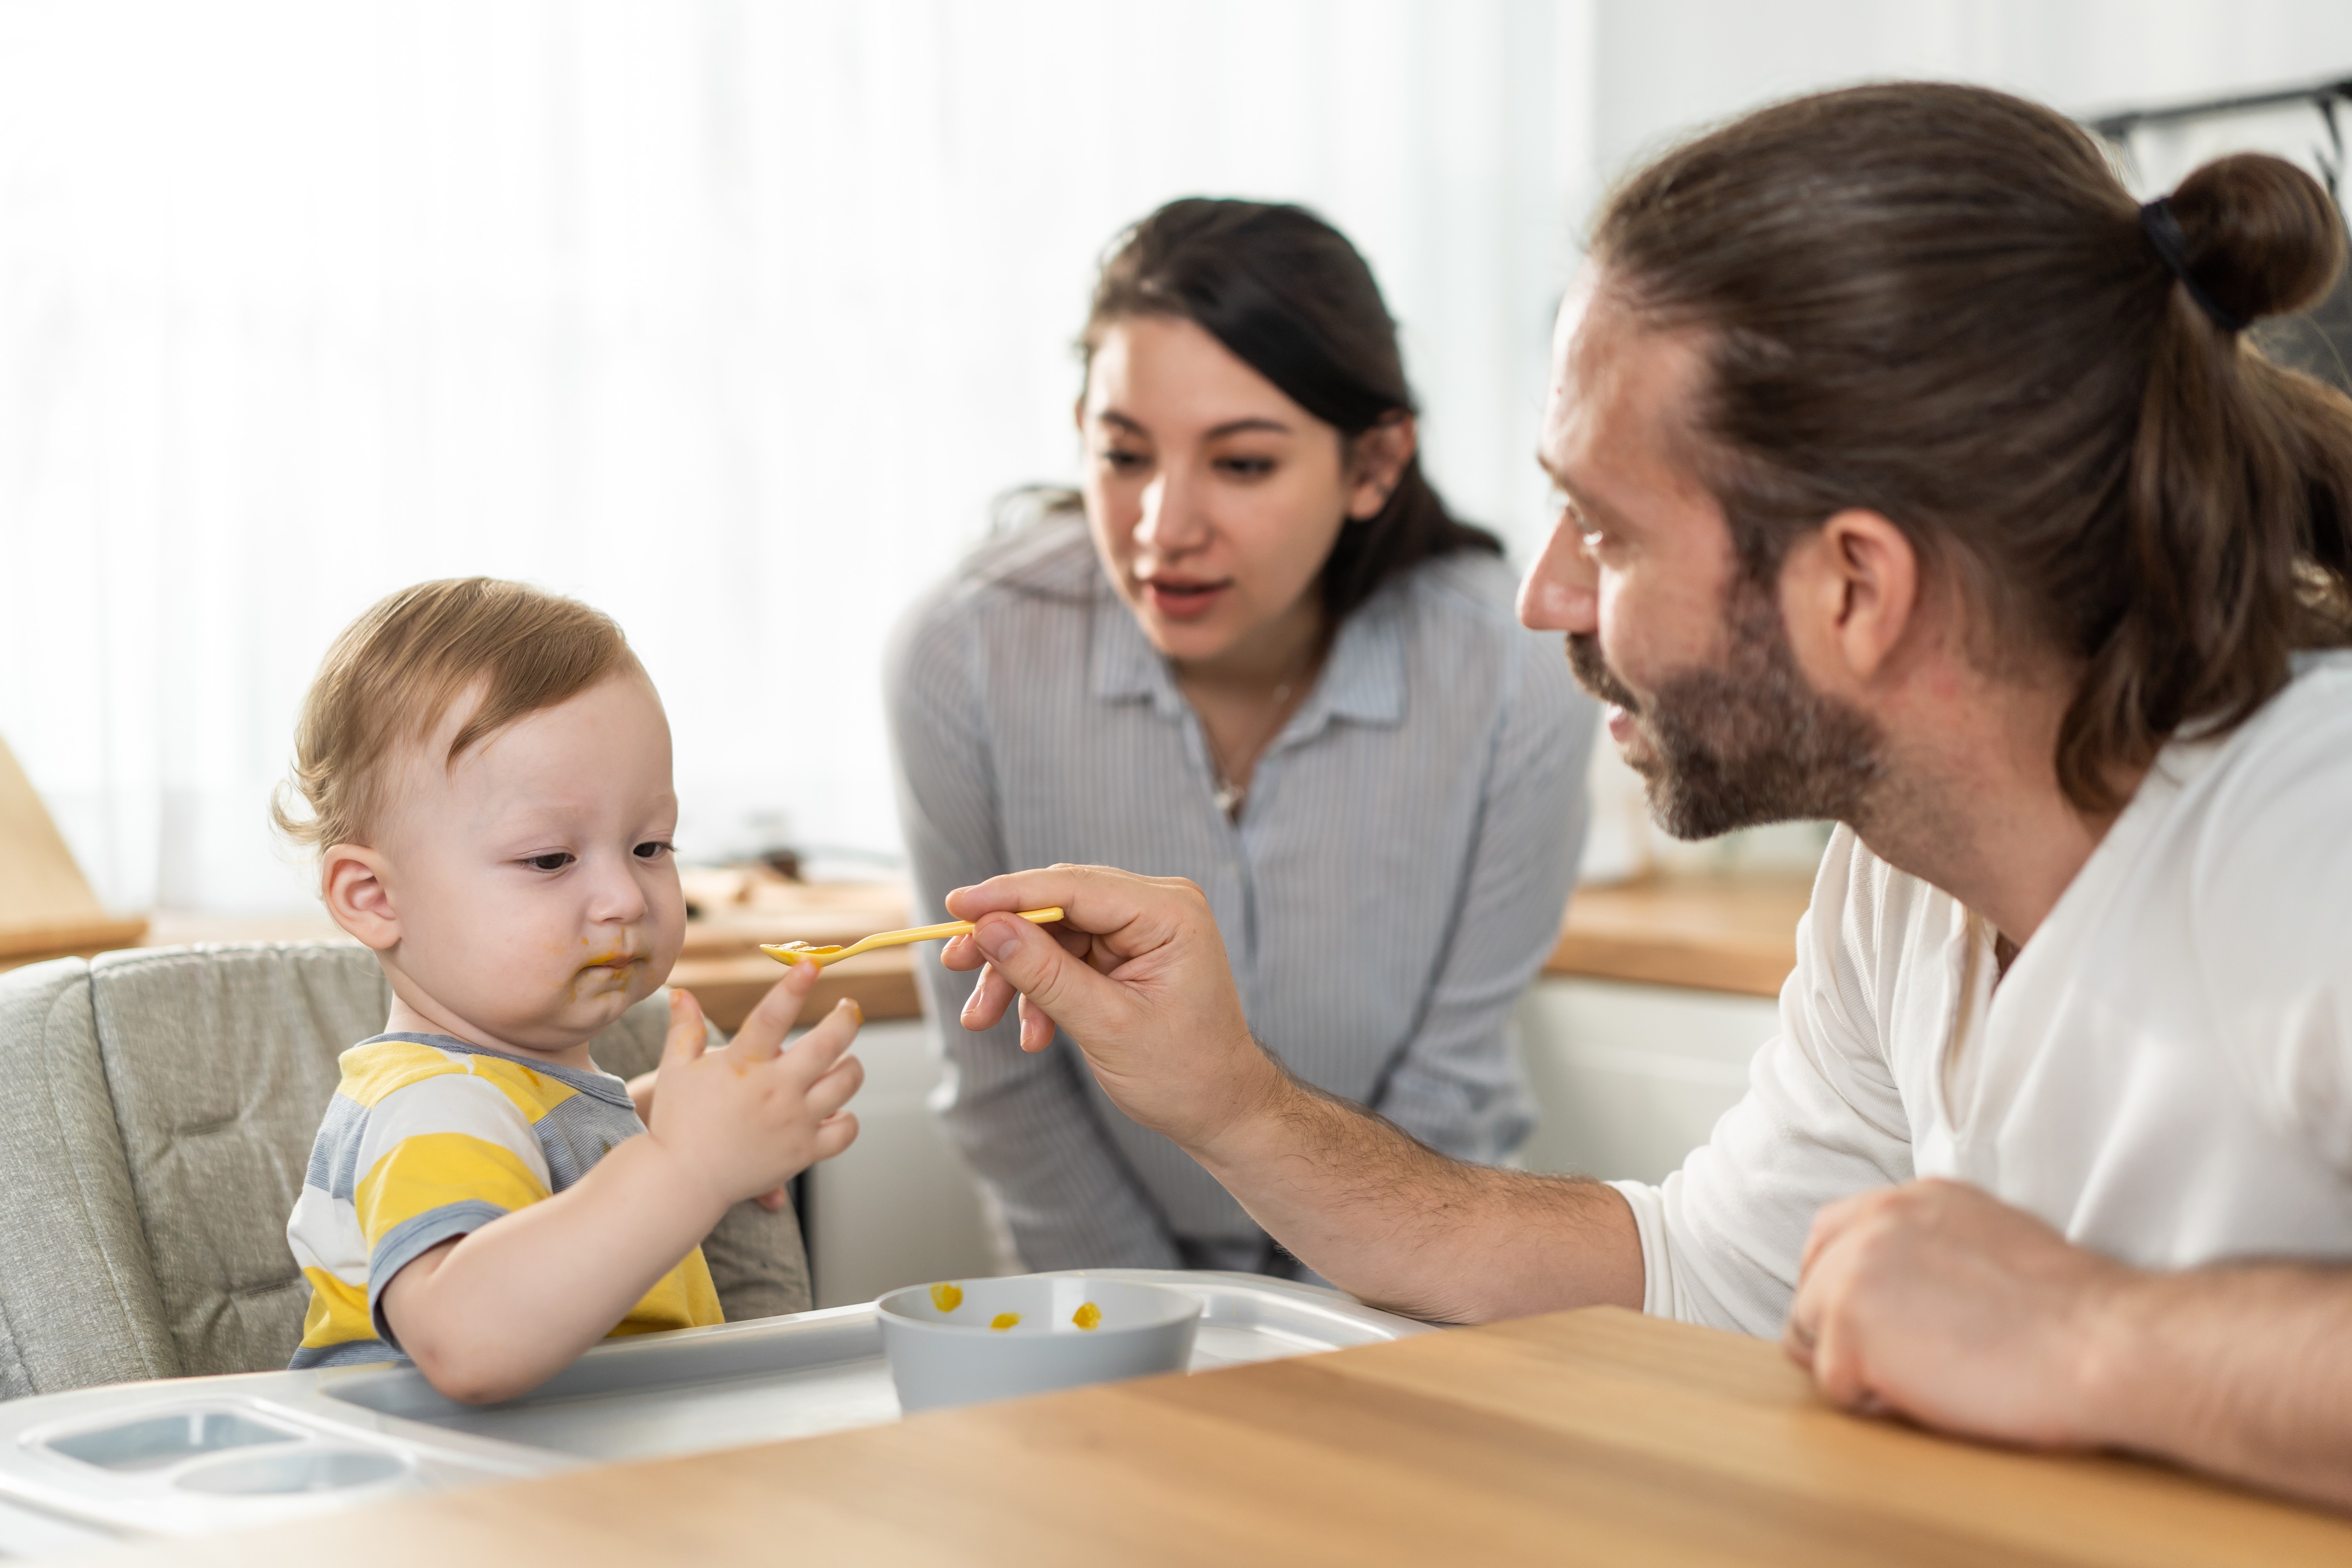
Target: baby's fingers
[
  {"x": 830, "y": 1092},
  {"x": 834, "y": 1135},
  {"x": 762, "y": 1033},
  {"x": 814, "y": 1053}
]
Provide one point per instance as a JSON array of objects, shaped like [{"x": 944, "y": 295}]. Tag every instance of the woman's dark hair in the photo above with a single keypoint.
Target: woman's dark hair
[
  {"x": 1287, "y": 294},
  {"x": 1938, "y": 303}
]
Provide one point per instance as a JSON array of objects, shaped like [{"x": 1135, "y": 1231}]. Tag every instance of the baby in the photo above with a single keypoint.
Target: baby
[{"x": 487, "y": 772}]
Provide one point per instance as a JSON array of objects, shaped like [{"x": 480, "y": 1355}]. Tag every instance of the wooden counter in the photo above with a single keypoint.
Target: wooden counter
[
  {"x": 1596, "y": 1436},
  {"x": 1735, "y": 933}
]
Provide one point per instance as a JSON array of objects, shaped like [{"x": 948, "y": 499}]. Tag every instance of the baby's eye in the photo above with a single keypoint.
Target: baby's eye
[
  {"x": 553, "y": 860},
  {"x": 651, "y": 849}
]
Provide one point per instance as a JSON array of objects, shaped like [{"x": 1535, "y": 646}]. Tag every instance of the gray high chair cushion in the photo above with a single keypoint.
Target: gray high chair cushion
[{"x": 156, "y": 1113}]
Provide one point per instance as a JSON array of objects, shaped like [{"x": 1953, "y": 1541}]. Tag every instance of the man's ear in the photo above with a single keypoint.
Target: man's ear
[
  {"x": 353, "y": 880},
  {"x": 1849, "y": 594},
  {"x": 1376, "y": 461}
]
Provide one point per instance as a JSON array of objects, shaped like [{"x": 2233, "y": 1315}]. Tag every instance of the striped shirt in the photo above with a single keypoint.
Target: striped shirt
[
  {"x": 429, "y": 1138},
  {"x": 1395, "y": 877}
]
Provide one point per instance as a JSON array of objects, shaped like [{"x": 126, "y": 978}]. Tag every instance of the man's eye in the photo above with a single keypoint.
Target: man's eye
[
  {"x": 553, "y": 860},
  {"x": 651, "y": 849}
]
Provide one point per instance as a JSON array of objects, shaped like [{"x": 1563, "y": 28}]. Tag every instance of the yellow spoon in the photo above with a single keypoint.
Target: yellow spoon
[{"x": 796, "y": 952}]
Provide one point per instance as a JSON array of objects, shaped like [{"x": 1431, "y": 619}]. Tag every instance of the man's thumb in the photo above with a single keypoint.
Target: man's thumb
[
  {"x": 688, "y": 1032},
  {"x": 1034, "y": 963}
]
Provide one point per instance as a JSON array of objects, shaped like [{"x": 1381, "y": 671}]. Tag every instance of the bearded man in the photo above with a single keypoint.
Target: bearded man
[{"x": 1917, "y": 477}]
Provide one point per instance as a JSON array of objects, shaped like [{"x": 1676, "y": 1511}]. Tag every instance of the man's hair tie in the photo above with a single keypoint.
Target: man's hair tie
[{"x": 2165, "y": 232}]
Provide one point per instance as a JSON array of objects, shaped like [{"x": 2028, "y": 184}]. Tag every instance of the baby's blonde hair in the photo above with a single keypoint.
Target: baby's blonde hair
[{"x": 391, "y": 676}]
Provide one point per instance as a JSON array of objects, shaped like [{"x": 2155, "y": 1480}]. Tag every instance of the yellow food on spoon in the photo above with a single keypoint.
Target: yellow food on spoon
[
  {"x": 1003, "y": 1320},
  {"x": 947, "y": 1297},
  {"x": 1088, "y": 1316}
]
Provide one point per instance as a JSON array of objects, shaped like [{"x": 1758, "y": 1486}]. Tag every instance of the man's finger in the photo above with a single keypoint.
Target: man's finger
[
  {"x": 989, "y": 996},
  {"x": 1034, "y": 963},
  {"x": 762, "y": 1033},
  {"x": 688, "y": 1032},
  {"x": 1096, "y": 898},
  {"x": 1037, "y": 1027}
]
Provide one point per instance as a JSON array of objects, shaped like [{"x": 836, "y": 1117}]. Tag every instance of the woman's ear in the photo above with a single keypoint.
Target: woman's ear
[
  {"x": 353, "y": 881},
  {"x": 1376, "y": 462}
]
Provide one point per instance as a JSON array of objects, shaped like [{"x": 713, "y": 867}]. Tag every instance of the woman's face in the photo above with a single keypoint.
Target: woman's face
[{"x": 1212, "y": 497}]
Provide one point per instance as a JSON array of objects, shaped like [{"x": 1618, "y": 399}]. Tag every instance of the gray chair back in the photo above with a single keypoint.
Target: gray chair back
[{"x": 157, "y": 1108}]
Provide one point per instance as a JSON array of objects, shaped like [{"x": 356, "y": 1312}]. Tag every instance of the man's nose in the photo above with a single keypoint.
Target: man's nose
[{"x": 1562, "y": 590}]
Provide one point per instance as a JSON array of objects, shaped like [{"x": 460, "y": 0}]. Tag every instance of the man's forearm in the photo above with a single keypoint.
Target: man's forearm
[
  {"x": 2245, "y": 1371},
  {"x": 1404, "y": 1228}
]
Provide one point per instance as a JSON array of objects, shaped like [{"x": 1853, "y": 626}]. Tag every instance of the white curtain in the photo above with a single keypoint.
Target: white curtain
[{"x": 731, "y": 317}]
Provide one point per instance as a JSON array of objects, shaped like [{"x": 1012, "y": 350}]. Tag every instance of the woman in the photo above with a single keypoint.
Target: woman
[{"x": 1258, "y": 653}]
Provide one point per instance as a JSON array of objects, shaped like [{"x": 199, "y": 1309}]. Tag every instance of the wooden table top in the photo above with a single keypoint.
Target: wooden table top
[
  {"x": 1593, "y": 1436},
  {"x": 1734, "y": 932}
]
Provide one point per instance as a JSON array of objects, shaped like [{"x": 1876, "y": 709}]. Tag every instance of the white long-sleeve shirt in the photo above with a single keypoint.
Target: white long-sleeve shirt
[{"x": 2165, "y": 1074}]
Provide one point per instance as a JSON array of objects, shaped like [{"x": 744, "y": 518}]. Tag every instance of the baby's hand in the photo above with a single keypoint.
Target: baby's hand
[{"x": 743, "y": 1120}]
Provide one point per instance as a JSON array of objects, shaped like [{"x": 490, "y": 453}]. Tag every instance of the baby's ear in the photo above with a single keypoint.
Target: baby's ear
[{"x": 351, "y": 879}]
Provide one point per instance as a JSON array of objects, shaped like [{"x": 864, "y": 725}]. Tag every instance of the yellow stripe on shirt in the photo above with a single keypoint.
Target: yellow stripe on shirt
[{"x": 427, "y": 1171}]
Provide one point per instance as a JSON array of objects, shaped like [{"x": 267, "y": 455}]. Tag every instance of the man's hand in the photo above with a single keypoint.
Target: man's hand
[
  {"x": 1935, "y": 1301},
  {"x": 1137, "y": 974},
  {"x": 742, "y": 1119}
]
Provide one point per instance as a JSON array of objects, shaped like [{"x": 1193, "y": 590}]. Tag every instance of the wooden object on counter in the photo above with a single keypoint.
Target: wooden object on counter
[
  {"x": 1732, "y": 932},
  {"x": 730, "y": 986},
  {"x": 736, "y": 908},
  {"x": 46, "y": 909},
  {"x": 1589, "y": 1436}
]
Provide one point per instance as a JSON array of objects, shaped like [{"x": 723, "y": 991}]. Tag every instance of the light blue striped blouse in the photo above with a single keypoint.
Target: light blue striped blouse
[{"x": 1395, "y": 879}]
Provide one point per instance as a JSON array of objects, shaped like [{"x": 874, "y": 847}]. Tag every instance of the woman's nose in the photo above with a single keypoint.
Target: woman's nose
[
  {"x": 1562, "y": 591},
  {"x": 1169, "y": 524}
]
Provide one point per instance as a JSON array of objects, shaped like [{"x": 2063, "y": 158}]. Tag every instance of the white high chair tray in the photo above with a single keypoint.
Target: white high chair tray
[{"x": 193, "y": 1455}]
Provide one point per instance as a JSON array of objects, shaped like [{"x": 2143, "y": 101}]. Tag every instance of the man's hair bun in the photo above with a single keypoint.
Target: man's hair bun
[{"x": 2263, "y": 238}]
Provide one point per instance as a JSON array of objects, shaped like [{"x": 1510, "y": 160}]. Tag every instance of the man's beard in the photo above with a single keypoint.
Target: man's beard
[{"x": 1748, "y": 743}]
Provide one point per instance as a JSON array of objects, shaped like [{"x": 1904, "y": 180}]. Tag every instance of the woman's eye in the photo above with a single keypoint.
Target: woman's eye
[
  {"x": 1121, "y": 461},
  {"x": 553, "y": 860},
  {"x": 1247, "y": 468},
  {"x": 651, "y": 849}
]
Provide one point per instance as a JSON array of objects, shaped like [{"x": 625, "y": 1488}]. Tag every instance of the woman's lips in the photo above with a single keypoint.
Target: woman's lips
[{"x": 1182, "y": 601}]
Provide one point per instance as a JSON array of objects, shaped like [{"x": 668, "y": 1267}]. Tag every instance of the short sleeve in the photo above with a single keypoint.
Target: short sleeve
[{"x": 440, "y": 1158}]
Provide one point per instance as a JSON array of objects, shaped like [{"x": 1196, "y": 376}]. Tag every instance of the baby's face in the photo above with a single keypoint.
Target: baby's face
[{"x": 533, "y": 885}]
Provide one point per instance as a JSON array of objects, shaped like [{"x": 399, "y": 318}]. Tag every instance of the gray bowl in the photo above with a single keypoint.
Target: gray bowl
[{"x": 942, "y": 1350}]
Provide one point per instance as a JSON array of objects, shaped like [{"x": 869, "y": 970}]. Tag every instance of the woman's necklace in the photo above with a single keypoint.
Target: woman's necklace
[{"x": 1230, "y": 793}]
